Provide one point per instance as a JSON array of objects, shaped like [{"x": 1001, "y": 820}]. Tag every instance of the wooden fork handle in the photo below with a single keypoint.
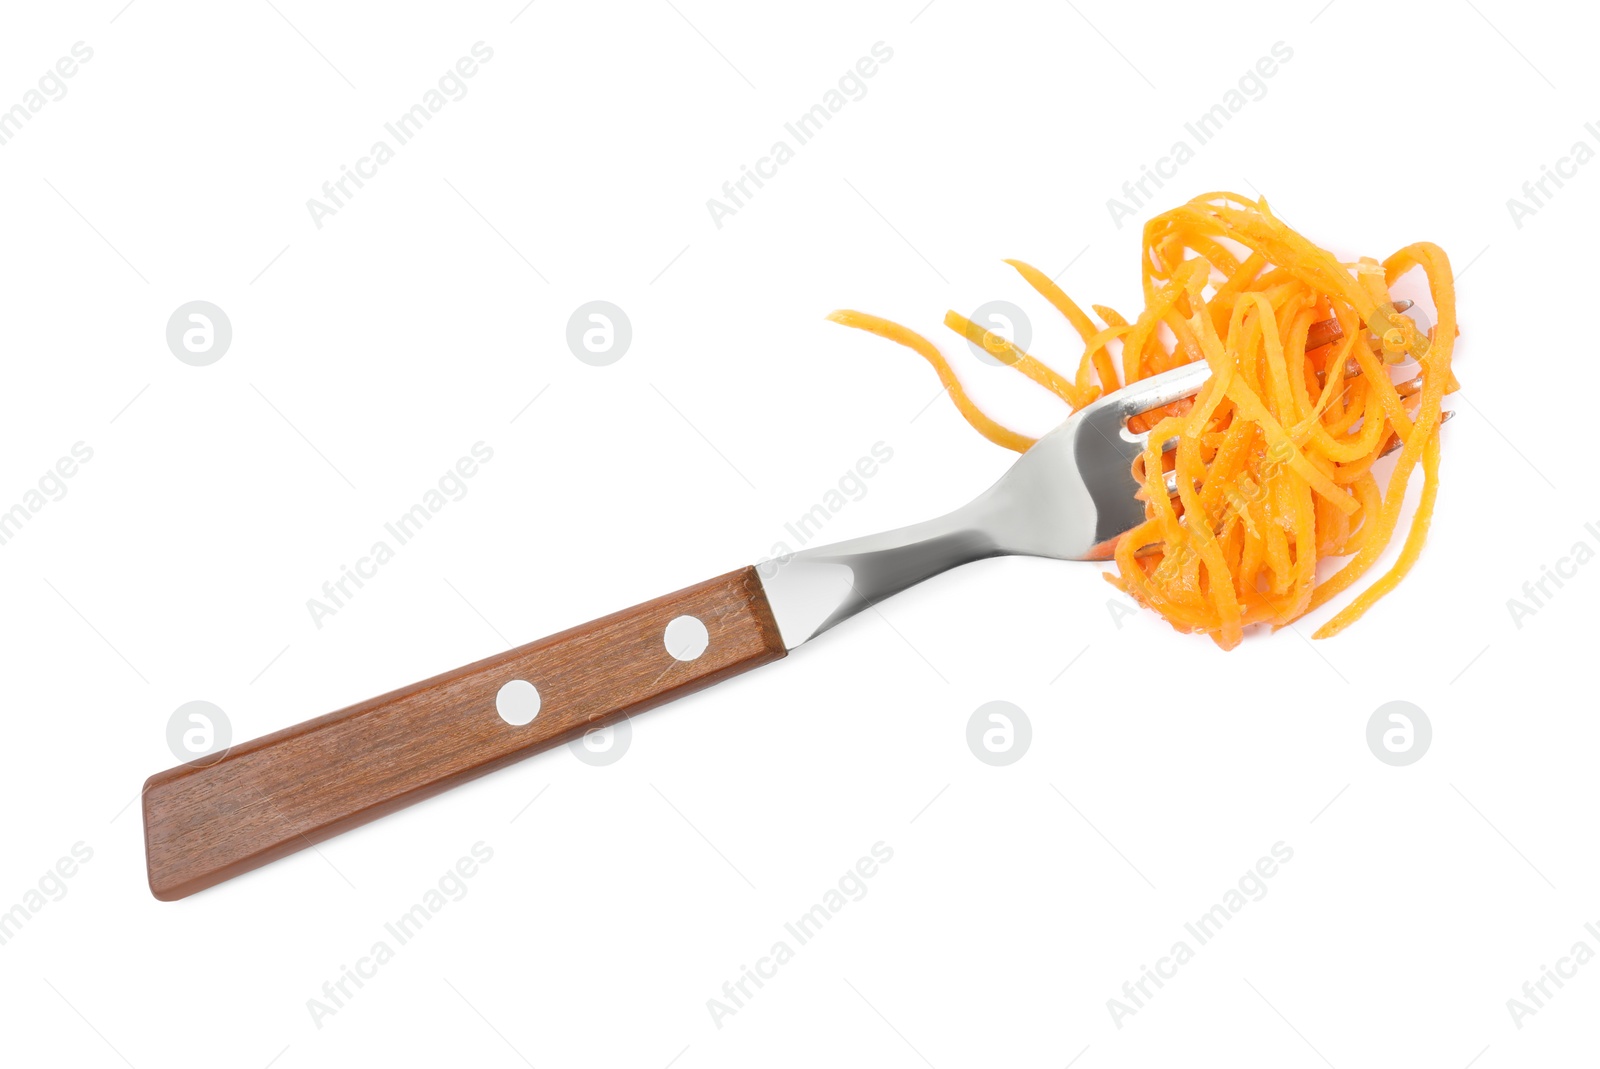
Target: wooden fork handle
[{"x": 213, "y": 819}]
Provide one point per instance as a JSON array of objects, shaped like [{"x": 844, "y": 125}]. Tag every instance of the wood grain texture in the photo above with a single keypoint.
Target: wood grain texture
[{"x": 269, "y": 797}]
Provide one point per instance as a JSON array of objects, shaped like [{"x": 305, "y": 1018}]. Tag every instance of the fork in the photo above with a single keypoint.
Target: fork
[{"x": 1070, "y": 496}]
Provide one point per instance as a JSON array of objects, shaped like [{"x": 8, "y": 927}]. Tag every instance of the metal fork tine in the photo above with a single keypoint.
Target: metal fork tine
[
  {"x": 1394, "y": 439},
  {"x": 1159, "y": 390},
  {"x": 1323, "y": 332},
  {"x": 1409, "y": 388},
  {"x": 1327, "y": 331},
  {"x": 1171, "y": 477},
  {"x": 1181, "y": 382}
]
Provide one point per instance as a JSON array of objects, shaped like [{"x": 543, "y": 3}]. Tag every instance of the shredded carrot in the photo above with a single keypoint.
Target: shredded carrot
[
  {"x": 1274, "y": 456},
  {"x": 912, "y": 340}
]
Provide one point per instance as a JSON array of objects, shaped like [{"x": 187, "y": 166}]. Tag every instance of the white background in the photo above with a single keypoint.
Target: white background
[{"x": 369, "y": 354}]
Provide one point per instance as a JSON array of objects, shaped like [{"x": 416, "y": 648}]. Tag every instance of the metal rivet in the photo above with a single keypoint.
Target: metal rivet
[
  {"x": 686, "y": 638},
  {"x": 517, "y": 702}
]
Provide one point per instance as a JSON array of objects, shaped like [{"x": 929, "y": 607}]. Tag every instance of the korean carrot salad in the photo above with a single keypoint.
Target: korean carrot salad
[{"x": 1273, "y": 465}]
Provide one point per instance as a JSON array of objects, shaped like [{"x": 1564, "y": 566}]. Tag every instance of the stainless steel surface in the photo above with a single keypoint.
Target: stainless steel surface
[{"x": 1070, "y": 497}]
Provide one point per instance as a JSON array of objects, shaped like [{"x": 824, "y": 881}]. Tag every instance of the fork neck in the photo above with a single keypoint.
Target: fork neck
[{"x": 813, "y": 589}]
